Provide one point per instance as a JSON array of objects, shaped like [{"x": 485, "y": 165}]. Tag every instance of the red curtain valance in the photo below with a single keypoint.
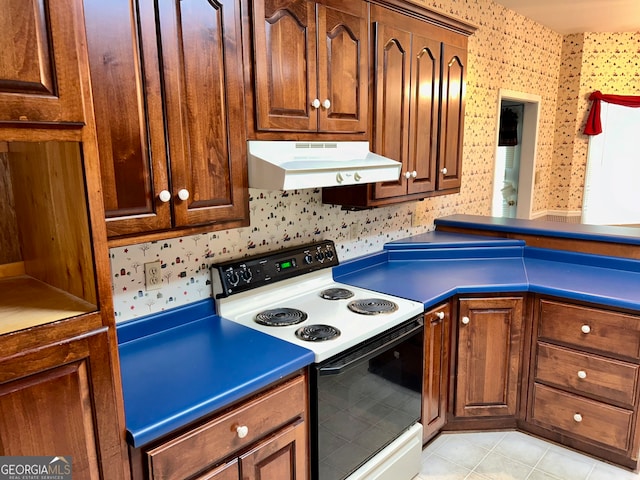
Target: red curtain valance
[{"x": 593, "y": 126}]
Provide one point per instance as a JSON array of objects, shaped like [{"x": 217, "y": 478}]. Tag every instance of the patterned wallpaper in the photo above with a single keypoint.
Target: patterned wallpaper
[
  {"x": 609, "y": 62},
  {"x": 507, "y": 51}
]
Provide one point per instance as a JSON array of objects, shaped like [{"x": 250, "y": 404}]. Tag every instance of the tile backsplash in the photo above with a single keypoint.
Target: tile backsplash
[{"x": 278, "y": 220}]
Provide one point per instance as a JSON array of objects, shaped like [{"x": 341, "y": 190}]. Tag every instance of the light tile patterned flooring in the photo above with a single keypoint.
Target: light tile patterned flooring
[{"x": 510, "y": 456}]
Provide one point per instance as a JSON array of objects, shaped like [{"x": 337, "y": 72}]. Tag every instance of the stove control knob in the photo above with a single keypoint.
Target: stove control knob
[
  {"x": 308, "y": 258},
  {"x": 329, "y": 254},
  {"x": 246, "y": 275},
  {"x": 320, "y": 256},
  {"x": 233, "y": 278}
]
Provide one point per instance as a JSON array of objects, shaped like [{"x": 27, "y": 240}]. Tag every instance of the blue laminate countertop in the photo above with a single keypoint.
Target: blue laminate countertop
[
  {"x": 184, "y": 364},
  {"x": 432, "y": 273},
  {"x": 602, "y": 233}
]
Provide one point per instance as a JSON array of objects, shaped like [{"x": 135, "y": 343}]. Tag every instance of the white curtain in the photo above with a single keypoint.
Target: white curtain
[{"x": 612, "y": 183}]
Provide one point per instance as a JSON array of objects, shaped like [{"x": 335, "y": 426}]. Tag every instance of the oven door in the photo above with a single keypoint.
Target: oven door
[{"x": 364, "y": 398}]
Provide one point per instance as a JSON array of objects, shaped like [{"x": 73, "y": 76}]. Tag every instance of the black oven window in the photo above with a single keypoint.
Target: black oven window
[{"x": 365, "y": 407}]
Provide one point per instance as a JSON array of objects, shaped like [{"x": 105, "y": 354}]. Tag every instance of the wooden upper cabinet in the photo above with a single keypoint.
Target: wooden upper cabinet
[
  {"x": 418, "y": 77},
  {"x": 310, "y": 65},
  {"x": 174, "y": 153},
  {"x": 124, "y": 63},
  {"x": 423, "y": 124},
  {"x": 39, "y": 62},
  {"x": 392, "y": 86},
  {"x": 454, "y": 67},
  {"x": 343, "y": 66},
  {"x": 202, "y": 72}
]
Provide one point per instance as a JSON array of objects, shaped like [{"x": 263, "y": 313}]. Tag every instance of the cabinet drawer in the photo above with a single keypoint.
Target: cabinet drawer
[
  {"x": 205, "y": 445},
  {"x": 591, "y": 420},
  {"x": 610, "y": 380},
  {"x": 597, "y": 330}
]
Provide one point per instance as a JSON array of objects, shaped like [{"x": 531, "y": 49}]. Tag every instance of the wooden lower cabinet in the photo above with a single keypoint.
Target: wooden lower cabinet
[
  {"x": 488, "y": 357},
  {"x": 435, "y": 383},
  {"x": 58, "y": 399},
  {"x": 263, "y": 438},
  {"x": 584, "y": 379}
]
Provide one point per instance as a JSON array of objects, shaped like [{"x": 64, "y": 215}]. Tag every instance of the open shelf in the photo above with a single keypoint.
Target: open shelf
[{"x": 26, "y": 302}]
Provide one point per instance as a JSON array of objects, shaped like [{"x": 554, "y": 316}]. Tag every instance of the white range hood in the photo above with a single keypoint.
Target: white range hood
[{"x": 291, "y": 165}]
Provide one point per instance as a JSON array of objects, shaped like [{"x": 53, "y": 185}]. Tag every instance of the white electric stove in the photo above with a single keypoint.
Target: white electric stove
[{"x": 366, "y": 382}]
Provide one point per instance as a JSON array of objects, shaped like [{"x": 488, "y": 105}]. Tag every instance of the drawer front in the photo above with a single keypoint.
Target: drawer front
[
  {"x": 607, "y": 379},
  {"x": 207, "y": 444},
  {"x": 577, "y": 416},
  {"x": 597, "y": 330}
]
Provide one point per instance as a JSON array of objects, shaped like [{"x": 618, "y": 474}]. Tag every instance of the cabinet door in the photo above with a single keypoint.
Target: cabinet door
[
  {"x": 123, "y": 58},
  {"x": 454, "y": 65},
  {"x": 39, "y": 62},
  {"x": 204, "y": 99},
  {"x": 391, "y": 115},
  {"x": 425, "y": 102},
  {"x": 435, "y": 384},
  {"x": 284, "y": 55},
  {"x": 279, "y": 457},
  {"x": 489, "y": 352},
  {"x": 60, "y": 401},
  {"x": 343, "y": 66}
]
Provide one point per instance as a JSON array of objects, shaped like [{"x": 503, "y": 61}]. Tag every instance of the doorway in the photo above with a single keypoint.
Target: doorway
[{"x": 516, "y": 139}]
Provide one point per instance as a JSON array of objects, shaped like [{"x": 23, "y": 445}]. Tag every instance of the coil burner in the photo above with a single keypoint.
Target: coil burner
[
  {"x": 317, "y": 333},
  {"x": 280, "y": 317},
  {"x": 336, "y": 294},
  {"x": 372, "y": 306}
]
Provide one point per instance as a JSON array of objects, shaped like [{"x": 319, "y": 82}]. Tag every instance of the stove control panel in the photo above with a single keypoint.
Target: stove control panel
[{"x": 252, "y": 272}]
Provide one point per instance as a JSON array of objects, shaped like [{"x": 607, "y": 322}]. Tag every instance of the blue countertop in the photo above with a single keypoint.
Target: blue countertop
[
  {"x": 184, "y": 364},
  {"x": 601, "y": 233},
  {"x": 176, "y": 370},
  {"x": 433, "y": 272}
]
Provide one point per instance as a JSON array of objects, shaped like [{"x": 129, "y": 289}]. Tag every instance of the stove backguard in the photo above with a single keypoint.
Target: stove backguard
[{"x": 252, "y": 272}]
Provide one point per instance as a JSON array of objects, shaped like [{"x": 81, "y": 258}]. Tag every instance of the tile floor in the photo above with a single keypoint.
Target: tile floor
[{"x": 510, "y": 456}]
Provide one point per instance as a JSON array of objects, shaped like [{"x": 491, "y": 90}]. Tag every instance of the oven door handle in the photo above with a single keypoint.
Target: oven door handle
[{"x": 370, "y": 350}]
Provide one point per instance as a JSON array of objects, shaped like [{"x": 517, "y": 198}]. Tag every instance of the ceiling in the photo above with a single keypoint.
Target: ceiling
[{"x": 579, "y": 16}]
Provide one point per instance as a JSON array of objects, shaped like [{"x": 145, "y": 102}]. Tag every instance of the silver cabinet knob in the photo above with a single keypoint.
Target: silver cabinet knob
[
  {"x": 326, "y": 104},
  {"x": 582, "y": 374},
  {"x": 577, "y": 417},
  {"x": 183, "y": 194},
  {"x": 164, "y": 196},
  {"x": 242, "y": 431},
  {"x": 407, "y": 175},
  {"x": 315, "y": 103},
  {"x": 440, "y": 315},
  {"x": 466, "y": 320},
  {"x": 585, "y": 328},
  {"x": 444, "y": 171},
  {"x": 414, "y": 174}
]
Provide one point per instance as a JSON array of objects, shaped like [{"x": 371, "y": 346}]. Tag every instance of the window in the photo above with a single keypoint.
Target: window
[{"x": 611, "y": 193}]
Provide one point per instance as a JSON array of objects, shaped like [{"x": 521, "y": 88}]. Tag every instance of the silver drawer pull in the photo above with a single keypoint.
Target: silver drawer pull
[
  {"x": 585, "y": 329},
  {"x": 582, "y": 374},
  {"x": 242, "y": 431},
  {"x": 466, "y": 320},
  {"x": 577, "y": 417}
]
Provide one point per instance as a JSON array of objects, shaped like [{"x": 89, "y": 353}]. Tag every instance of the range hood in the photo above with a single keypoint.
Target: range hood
[{"x": 291, "y": 165}]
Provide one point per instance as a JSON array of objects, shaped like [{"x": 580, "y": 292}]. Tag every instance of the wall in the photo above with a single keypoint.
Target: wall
[
  {"x": 507, "y": 51},
  {"x": 609, "y": 62}
]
